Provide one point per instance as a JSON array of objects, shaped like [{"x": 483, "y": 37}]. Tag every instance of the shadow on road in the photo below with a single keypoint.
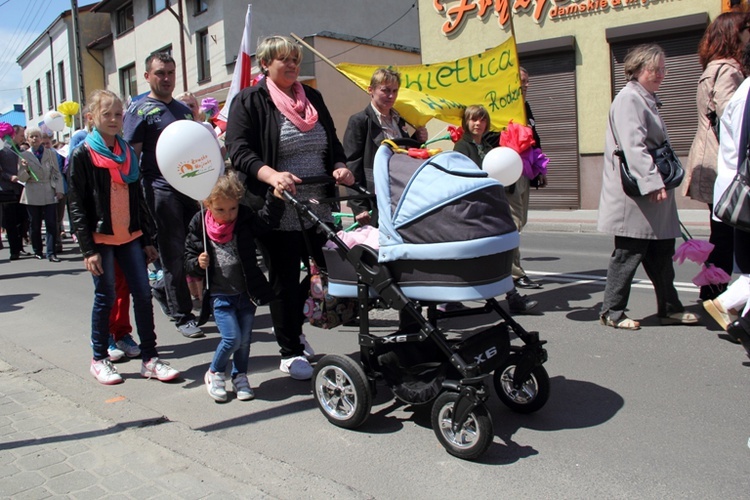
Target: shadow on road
[
  {"x": 573, "y": 404},
  {"x": 9, "y": 303},
  {"x": 114, "y": 429}
]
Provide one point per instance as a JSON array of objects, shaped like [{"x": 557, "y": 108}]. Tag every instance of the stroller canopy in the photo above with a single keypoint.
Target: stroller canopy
[{"x": 444, "y": 208}]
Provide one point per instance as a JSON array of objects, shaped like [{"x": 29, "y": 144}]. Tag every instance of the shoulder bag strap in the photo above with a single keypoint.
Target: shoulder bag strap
[{"x": 713, "y": 87}]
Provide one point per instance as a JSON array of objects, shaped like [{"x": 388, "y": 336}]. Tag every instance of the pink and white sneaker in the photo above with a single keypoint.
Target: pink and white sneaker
[
  {"x": 105, "y": 372},
  {"x": 156, "y": 368}
]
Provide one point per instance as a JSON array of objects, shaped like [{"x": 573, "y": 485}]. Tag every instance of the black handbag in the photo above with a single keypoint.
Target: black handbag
[
  {"x": 713, "y": 119},
  {"x": 666, "y": 162}
]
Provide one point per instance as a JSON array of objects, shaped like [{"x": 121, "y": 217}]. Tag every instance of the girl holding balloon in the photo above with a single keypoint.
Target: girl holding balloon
[
  {"x": 112, "y": 224},
  {"x": 220, "y": 246}
]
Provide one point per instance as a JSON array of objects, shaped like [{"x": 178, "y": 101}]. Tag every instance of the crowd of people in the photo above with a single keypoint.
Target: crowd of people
[{"x": 125, "y": 216}]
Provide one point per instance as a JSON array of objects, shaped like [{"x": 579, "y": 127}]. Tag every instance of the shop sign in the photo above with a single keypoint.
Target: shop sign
[{"x": 458, "y": 12}]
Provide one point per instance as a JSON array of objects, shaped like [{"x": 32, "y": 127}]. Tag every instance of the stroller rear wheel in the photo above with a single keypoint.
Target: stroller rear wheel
[
  {"x": 472, "y": 439},
  {"x": 341, "y": 391},
  {"x": 530, "y": 396}
]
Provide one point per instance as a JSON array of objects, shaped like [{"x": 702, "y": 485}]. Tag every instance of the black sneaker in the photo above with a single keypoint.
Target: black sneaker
[{"x": 520, "y": 304}]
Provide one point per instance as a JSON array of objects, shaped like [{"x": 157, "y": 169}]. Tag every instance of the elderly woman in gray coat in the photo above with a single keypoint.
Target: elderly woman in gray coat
[{"x": 645, "y": 226}]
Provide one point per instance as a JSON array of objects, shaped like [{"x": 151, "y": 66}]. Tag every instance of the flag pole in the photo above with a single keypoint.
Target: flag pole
[
  {"x": 324, "y": 59},
  {"x": 518, "y": 59},
  {"x": 312, "y": 49}
]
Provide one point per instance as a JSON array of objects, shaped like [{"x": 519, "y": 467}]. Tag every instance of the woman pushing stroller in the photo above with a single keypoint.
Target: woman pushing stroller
[{"x": 278, "y": 132}]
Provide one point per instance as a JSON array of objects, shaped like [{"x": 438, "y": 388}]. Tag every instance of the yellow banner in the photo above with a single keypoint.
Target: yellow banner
[{"x": 443, "y": 90}]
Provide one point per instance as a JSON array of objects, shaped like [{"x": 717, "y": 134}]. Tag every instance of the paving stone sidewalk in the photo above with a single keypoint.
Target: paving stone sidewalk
[{"x": 50, "y": 447}]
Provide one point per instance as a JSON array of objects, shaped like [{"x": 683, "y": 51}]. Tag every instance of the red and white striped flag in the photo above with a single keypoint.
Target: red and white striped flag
[{"x": 242, "y": 76}]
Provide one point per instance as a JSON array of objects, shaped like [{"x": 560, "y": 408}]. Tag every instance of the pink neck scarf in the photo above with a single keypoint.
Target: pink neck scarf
[
  {"x": 299, "y": 111},
  {"x": 220, "y": 233}
]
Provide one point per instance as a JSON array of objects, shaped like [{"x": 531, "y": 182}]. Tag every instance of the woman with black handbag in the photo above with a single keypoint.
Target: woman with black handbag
[
  {"x": 720, "y": 52},
  {"x": 733, "y": 151},
  {"x": 644, "y": 226}
]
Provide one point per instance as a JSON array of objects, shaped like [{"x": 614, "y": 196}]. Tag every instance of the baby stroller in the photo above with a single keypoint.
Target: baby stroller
[{"x": 446, "y": 235}]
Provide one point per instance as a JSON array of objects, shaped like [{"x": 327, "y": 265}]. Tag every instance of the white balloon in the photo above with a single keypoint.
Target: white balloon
[
  {"x": 189, "y": 158},
  {"x": 503, "y": 164},
  {"x": 54, "y": 120}
]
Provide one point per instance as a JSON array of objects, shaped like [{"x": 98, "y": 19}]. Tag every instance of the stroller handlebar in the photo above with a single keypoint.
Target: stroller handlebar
[{"x": 327, "y": 179}]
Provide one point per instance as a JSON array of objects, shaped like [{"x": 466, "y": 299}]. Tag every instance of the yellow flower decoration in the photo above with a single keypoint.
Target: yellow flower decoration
[{"x": 69, "y": 109}]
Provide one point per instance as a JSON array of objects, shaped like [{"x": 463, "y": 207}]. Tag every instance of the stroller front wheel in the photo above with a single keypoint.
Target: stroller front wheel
[
  {"x": 472, "y": 439},
  {"x": 530, "y": 395},
  {"x": 341, "y": 391}
]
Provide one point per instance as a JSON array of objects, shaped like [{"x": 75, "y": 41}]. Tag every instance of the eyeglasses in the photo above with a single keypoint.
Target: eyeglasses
[{"x": 661, "y": 71}]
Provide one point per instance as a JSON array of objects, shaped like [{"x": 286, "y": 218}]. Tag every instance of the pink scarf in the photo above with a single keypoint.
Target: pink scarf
[
  {"x": 220, "y": 233},
  {"x": 299, "y": 111}
]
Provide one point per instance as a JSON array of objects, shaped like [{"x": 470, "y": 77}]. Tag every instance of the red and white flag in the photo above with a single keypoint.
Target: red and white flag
[{"x": 242, "y": 76}]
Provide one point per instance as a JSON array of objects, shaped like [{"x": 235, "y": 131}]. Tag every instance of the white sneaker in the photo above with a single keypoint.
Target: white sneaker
[
  {"x": 216, "y": 386},
  {"x": 309, "y": 352},
  {"x": 128, "y": 346},
  {"x": 298, "y": 368},
  {"x": 105, "y": 372},
  {"x": 115, "y": 354},
  {"x": 190, "y": 330},
  {"x": 242, "y": 387},
  {"x": 155, "y": 367}
]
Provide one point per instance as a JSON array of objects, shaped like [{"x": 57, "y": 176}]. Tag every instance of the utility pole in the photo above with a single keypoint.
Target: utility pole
[
  {"x": 77, "y": 48},
  {"x": 179, "y": 15}
]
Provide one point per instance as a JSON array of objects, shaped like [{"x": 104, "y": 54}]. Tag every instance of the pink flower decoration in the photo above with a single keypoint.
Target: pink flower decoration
[
  {"x": 256, "y": 79},
  {"x": 210, "y": 106},
  {"x": 517, "y": 137},
  {"x": 455, "y": 133},
  {"x": 534, "y": 162},
  {"x": 695, "y": 250},
  {"x": 6, "y": 129},
  {"x": 711, "y": 275}
]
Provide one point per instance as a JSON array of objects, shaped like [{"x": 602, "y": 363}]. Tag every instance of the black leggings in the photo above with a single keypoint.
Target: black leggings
[{"x": 283, "y": 251}]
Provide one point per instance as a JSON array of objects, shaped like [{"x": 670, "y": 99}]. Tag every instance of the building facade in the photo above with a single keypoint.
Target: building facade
[
  {"x": 48, "y": 66},
  {"x": 204, "y": 38},
  {"x": 573, "y": 51}
]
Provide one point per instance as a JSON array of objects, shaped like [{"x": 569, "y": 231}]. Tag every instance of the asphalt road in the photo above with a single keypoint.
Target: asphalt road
[{"x": 659, "y": 413}]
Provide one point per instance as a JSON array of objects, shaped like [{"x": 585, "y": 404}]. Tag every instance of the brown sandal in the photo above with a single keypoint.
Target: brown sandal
[{"x": 624, "y": 323}]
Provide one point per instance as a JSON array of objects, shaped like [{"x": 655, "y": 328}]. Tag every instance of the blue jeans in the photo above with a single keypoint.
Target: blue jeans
[
  {"x": 132, "y": 261},
  {"x": 172, "y": 212},
  {"x": 234, "y": 315}
]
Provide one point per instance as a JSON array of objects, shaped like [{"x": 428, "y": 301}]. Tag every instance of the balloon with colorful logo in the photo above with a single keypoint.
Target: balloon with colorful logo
[{"x": 189, "y": 158}]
